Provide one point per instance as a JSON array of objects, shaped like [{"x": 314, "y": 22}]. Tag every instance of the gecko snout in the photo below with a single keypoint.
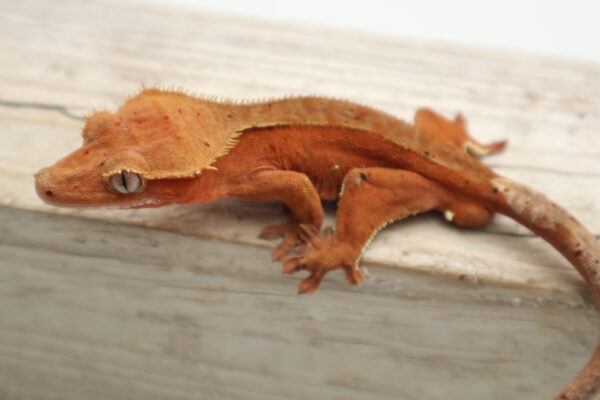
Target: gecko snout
[{"x": 43, "y": 185}]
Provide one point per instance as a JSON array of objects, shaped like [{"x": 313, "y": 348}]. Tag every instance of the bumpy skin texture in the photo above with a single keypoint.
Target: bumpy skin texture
[{"x": 165, "y": 147}]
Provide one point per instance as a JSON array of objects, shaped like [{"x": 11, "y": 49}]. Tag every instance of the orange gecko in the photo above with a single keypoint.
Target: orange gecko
[{"x": 165, "y": 147}]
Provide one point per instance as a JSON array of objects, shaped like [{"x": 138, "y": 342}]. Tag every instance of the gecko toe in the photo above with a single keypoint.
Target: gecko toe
[
  {"x": 354, "y": 276},
  {"x": 283, "y": 249},
  {"x": 310, "y": 284},
  {"x": 293, "y": 265},
  {"x": 295, "y": 238},
  {"x": 271, "y": 232},
  {"x": 307, "y": 232}
]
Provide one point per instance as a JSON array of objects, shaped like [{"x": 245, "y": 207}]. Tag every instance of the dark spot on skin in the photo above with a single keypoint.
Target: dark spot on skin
[
  {"x": 206, "y": 144},
  {"x": 426, "y": 153},
  {"x": 272, "y": 148},
  {"x": 495, "y": 190},
  {"x": 179, "y": 110},
  {"x": 49, "y": 193},
  {"x": 467, "y": 181},
  {"x": 101, "y": 164},
  {"x": 362, "y": 177},
  {"x": 117, "y": 123},
  {"x": 166, "y": 117},
  {"x": 269, "y": 105},
  {"x": 197, "y": 114},
  {"x": 597, "y": 261},
  {"x": 229, "y": 116},
  {"x": 461, "y": 277},
  {"x": 594, "y": 272},
  {"x": 578, "y": 244},
  {"x": 85, "y": 153},
  {"x": 578, "y": 253}
]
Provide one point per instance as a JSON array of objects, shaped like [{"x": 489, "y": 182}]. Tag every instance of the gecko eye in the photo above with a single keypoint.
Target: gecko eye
[{"x": 126, "y": 182}]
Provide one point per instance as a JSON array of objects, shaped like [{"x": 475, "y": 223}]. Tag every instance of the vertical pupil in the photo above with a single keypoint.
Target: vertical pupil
[{"x": 124, "y": 181}]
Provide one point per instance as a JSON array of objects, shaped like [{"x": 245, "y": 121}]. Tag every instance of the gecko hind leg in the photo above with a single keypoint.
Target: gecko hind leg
[
  {"x": 454, "y": 133},
  {"x": 371, "y": 198}
]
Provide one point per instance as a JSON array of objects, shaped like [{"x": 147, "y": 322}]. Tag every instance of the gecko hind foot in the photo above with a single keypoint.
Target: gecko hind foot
[
  {"x": 479, "y": 150},
  {"x": 322, "y": 254}
]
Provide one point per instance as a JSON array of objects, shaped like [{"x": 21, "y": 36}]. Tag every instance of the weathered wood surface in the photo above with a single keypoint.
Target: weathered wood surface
[{"x": 182, "y": 303}]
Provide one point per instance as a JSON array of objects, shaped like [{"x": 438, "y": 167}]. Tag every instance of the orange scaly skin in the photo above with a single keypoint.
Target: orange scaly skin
[{"x": 166, "y": 147}]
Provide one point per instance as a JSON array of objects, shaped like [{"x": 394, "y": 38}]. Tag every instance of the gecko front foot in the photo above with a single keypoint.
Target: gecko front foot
[
  {"x": 290, "y": 234},
  {"x": 323, "y": 254}
]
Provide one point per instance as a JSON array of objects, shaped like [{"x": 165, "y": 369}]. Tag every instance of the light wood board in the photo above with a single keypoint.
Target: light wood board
[{"x": 183, "y": 302}]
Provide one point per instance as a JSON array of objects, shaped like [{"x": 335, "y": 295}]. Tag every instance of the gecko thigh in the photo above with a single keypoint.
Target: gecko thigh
[
  {"x": 467, "y": 213},
  {"x": 373, "y": 197}
]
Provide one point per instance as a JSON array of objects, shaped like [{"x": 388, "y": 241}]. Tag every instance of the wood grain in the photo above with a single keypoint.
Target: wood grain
[{"x": 182, "y": 303}]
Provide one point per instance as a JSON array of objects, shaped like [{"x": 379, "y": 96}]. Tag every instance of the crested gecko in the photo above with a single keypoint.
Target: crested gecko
[{"x": 163, "y": 147}]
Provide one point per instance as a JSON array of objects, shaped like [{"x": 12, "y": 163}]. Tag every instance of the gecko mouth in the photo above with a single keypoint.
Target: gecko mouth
[{"x": 146, "y": 202}]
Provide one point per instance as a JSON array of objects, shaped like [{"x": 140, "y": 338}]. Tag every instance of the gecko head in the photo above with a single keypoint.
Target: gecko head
[
  {"x": 146, "y": 154},
  {"x": 108, "y": 170}
]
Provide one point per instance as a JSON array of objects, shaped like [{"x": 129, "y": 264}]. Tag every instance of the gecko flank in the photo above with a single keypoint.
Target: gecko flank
[{"x": 164, "y": 147}]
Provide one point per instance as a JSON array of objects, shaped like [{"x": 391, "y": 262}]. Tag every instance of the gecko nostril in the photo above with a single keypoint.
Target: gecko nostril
[{"x": 43, "y": 185}]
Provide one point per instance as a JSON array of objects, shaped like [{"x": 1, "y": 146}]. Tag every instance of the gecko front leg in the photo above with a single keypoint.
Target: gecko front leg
[
  {"x": 371, "y": 198},
  {"x": 296, "y": 191}
]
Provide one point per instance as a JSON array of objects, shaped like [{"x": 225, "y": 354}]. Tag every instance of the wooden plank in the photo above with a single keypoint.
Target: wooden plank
[
  {"x": 95, "y": 310},
  {"x": 173, "y": 302}
]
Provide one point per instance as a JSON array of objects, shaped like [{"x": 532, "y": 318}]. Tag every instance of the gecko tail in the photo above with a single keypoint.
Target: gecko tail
[{"x": 574, "y": 241}]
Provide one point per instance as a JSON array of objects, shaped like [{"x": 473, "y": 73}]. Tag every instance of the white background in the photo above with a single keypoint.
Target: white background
[{"x": 568, "y": 29}]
